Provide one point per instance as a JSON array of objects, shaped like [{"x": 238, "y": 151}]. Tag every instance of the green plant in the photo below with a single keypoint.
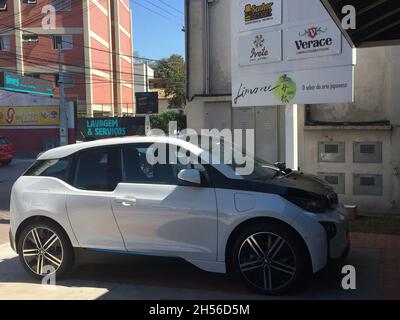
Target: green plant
[{"x": 162, "y": 120}]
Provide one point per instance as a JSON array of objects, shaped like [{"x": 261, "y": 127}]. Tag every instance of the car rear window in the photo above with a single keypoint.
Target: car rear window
[
  {"x": 57, "y": 168},
  {"x": 4, "y": 141}
]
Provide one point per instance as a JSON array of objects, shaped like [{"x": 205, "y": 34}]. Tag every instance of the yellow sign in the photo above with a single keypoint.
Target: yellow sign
[{"x": 30, "y": 116}]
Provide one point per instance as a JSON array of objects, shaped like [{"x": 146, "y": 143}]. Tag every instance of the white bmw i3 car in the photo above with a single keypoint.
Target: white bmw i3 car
[{"x": 271, "y": 227}]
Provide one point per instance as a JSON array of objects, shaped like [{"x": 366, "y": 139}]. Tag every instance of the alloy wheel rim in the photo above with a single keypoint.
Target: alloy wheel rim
[
  {"x": 42, "y": 251},
  {"x": 267, "y": 261}
]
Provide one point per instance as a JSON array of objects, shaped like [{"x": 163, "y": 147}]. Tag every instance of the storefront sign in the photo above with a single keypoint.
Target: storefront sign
[
  {"x": 260, "y": 47},
  {"x": 30, "y": 116},
  {"x": 313, "y": 40},
  {"x": 299, "y": 87},
  {"x": 14, "y": 82},
  {"x": 256, "y": 14},
  {"x": 297, "y": 55},
  {"x": 100, "y": 128}
]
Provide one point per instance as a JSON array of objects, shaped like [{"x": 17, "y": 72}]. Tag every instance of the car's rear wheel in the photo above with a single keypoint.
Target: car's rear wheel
[
  {"x": 5, "y": 163},
  {"x": 45, "y": 249},
  {"x": 269, "y": 258}
]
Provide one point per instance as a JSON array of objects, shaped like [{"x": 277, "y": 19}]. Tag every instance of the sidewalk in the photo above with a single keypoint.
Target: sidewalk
[
  {"x": 4, "y": 227},
  {"x": 390, "y": 245}
]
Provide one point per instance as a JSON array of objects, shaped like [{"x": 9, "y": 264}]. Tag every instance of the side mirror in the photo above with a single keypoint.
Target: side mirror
[{"x": 190, "y": 177}]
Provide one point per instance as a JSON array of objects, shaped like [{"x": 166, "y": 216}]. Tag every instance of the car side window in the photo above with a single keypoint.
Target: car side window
[
  {"x": 57, "y": 168},
  {"x": 137, "y": 168},
  {"x": 98, "y": 170}
]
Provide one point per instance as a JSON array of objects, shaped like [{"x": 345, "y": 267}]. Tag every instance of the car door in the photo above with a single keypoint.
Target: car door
[
  {"x": 158, "y": 215},
  {"x": 96, "y": 174}
]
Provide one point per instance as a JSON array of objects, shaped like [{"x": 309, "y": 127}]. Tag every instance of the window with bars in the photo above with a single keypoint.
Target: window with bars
[
  {"x": 65, "y": 41},
  {"x": 3, "y": 5},
  {"x": 61, "y": 5},
  {"x": 4, "y": 43}
]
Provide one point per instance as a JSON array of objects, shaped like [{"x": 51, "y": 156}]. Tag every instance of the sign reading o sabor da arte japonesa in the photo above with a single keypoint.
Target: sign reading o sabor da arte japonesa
[
  {"x": 300, "y": 86},
  {"x": 313, "y": 40},
  {"x": 260, "y": 47},
  {"x": 256, "y": 14}
]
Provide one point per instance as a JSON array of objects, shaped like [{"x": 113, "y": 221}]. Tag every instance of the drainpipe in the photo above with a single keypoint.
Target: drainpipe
[
  {"x": 206, "y": 44},
  {"x": 206, "y": 52},
  {"x": 187, "y": 42}
]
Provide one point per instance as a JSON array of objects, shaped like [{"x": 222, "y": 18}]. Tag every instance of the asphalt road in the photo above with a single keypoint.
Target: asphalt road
[{"x": 134, "y": 277}]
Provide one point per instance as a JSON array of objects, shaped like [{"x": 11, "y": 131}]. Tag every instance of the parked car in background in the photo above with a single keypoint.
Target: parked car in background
[{"x": 7, "y": 151}]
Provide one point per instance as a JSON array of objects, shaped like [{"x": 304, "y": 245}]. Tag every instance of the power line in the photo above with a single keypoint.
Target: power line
[
  {"x": 157, "y": 13},
  {"x": 164, "y": 11},
  {"x": 170, "y": 6}
]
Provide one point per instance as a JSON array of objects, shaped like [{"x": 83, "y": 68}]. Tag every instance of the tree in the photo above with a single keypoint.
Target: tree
[
  {"x": 172, "y": 70},
  {"x": 162, "y": 120}
]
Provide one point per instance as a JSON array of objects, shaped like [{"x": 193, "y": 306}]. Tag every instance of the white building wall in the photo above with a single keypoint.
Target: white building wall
[
  {"x": 377, "y": 98},
  {"x": 141, "y": 81}
]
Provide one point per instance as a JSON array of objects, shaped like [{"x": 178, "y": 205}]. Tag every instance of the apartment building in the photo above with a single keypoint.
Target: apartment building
[
  {"x": 96, "y": 49},
  {"x": 352, "y": 146}
]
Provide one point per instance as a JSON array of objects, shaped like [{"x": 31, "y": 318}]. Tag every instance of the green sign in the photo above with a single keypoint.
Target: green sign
[{"x": 14, "y": 82}]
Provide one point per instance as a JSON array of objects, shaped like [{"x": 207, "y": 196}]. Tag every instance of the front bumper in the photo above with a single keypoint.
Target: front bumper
[
  {"x": 12, "y": 241},
  {"x": 336, "y": 225}
]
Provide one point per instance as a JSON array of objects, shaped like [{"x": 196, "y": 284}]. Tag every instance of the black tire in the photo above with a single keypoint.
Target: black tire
[
  {"x": 269, "y": 272},
  {"x": 59, "y": 255},
  {"x": 6, "y": 163}
]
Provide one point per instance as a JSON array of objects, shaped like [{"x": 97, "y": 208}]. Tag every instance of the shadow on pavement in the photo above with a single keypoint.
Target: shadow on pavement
[{"x": 134, "y": 277}]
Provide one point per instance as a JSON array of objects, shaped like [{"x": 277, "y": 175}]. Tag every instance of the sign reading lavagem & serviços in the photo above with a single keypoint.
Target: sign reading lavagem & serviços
[{"x": 288, "y": 52}]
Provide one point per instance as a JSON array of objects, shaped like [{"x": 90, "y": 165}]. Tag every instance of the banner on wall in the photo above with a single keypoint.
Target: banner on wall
[
  {"x": 256, "y": 14},
  {"x": 288, "y": 52},
  {"x": 260, "y": 47},
  {"x": 300, "y": 86},
  {"x": 30, "y": 116}
]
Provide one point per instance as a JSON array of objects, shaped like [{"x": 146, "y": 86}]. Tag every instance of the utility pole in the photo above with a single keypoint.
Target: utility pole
[
  {"x": 63, "y": 111},
  {"x": 146, "y": 66}
]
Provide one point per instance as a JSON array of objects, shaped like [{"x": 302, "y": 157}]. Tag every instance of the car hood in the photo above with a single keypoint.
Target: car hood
[{"x": 303, "y": 182}]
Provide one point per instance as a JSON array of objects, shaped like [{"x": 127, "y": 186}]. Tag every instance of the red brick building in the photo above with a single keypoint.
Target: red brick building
[{"x": 96, "y": 41}]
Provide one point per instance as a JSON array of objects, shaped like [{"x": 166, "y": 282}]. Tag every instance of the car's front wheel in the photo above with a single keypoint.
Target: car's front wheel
[
  {"x": 269, "y": 258},
  {"x": 44, "y": 248}
]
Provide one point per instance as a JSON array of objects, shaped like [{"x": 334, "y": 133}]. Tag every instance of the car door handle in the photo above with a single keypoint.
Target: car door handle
[{"x": 126, "y": 202}]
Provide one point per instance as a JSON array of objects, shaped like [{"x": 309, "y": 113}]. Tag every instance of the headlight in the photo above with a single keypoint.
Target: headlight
[{"x": 312, "y": 205}]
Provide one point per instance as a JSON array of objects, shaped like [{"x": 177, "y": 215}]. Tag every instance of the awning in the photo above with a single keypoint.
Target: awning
[{"x": 378, "y": 21}]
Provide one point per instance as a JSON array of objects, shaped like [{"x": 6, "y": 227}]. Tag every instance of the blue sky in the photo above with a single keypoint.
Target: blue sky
[{"x": 158, "y": 33}]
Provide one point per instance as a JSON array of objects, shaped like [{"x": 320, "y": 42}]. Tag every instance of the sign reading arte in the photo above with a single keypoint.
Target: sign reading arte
[
  {"x": 259, "y": 14},
  {"x": 30, "y": 116},
  {"x": 260, "y": 47},
  {"x": 313, "y": 40}
]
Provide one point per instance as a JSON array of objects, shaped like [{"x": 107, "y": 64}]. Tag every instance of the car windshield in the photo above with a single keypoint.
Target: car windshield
[{"x": 232, "y": 155}]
